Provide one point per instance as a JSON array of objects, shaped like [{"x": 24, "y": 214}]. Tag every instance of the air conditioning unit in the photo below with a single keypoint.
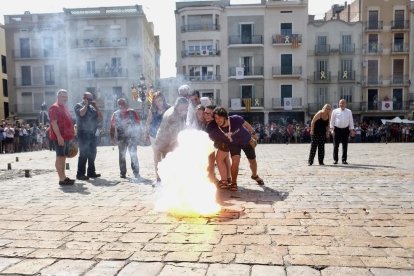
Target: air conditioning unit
[{"x": 204, "y": 53}]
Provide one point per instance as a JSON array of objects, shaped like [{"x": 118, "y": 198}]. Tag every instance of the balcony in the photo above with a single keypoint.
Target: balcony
[
  {"x": 45, "y": 54},
  {"x": 239, "y": 103},
  {"x": 18, "y": 82},
  {"x": 104, "y": 73},
  {"x": 287, "y": 71},
  {"x": 250, "y": 72},
  {"x": 400, "y": 80},
  {"x": 400, "y": 48},
  {"x": 101, "y": 42},
  {"x": 246, "y": 40},
  {"x": 278, "y": 103},
  {"x": 294, "y": 40},
  {"x": 346, "y": 49},
  {"x": 354, "y": 106},
  {"x": 372, "y": 81},
  {"x": 200, "y": 27},
  {"x": 373, "y": 25},
  {"x": 323, "y": 49},
  {"x": 27, "y": 109},
  {"x": 346, "y": 76},
  {"x": 203, "y": 78},
  {"x": 398, "y": 25},
  {"x": 322, "y": 76},
  {"x": 373, "y": 106},
  {"x": 210, "y": 52},
  {"x": 373, "y": 48}
]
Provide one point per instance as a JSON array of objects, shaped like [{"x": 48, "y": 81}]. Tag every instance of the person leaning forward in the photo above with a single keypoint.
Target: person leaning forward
[
  {"x": 125, "y": 123},
  {"x": 61, "y": 132}
]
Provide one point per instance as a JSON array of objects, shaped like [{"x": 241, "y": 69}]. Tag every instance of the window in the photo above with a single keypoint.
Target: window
[
  {"x": 398, "y": 42},
  {"x": 399, "y": 19},
  {"x": 24, "y": 47},
  {"x": 346, "y": 46},
  {"x": 373, "y": 43},
  {"x": 286, "y": 29},
  {"x": 322, "y": 44},
  {"x": 201, "y": 72},
  {"x": 3, "y": 64},
  {"x": 346, "y": 69},
  {"x": 26, "y": 75},
  {"x": 5, "y": 90},
  {"x": 27, "y": 102},
  {"x": 49, "y": 75},
  {"x": 247, "y": 92},
  {"x": 47, "y": 46},
  {"x": 372, "y": 71},
  {"x": 398, "y": 71},
  {"x": 6, "y": 109},
  {"x": 372, "y": 99},
  {"x": 285, "y": 92},
  {"x": 373, "y": 23},
  {"x": 322, "y": 95},
  {"x": 38, "y": 100},
  {"x": 247, "y": 63},
  {"x": 90, "y": 68},
  {"x": 397, "y": 98},
  {"x": 322, "y": 69},
  {"x": 346, "y": 93},
  {"x": 50, "y": 98},
  {"x": 200, "y": 47},
  {"x": 286, "y": 64},
  {"x": 116, "y": 68},
  {"x": 246, "y": 32}
]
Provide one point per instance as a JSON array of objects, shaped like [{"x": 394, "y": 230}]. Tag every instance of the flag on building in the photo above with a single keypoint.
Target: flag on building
[
  {"x": 247, "y": 104},
  {"x": 295, "y": 42},
  {"x": 287, "y": 103},
  {"x": 387, "y": 105},
  {"x": 239, "y": 73}
]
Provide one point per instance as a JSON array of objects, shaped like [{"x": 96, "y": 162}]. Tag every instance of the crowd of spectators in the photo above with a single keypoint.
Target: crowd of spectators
[{"x": 365, "y": 133}]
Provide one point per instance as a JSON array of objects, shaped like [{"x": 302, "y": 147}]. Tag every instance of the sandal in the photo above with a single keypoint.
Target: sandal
[
  {"x": 258, "y": 180},
  {"x": 223, "y": 184},
  {"x": 233, "y": 187}
]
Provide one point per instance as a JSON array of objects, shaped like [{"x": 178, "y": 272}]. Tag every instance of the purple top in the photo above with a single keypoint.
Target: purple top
[{"x": 241, "y": 136}]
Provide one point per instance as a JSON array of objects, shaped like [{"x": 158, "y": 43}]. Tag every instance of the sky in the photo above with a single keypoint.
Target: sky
[{"x": 163, "y": 18}]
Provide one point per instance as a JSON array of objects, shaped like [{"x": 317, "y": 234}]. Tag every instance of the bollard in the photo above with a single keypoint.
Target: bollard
[
  {"x": 67, "y": 166},
  {"x": 9, "y": 166},
  {"x": 26, "y": 173},
  {"x": 17, "y": 159}
]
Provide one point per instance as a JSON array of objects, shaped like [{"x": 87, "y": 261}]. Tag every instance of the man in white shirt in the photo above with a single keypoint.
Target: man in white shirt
[{"x": 341, "y": 125}]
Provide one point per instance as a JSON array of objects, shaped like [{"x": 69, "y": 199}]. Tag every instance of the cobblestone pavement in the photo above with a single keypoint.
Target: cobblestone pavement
[{"x": 355, "y": 219}]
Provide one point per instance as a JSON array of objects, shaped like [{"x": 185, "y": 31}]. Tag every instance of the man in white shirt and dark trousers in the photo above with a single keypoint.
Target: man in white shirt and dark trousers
[{"x": 341, "y": 124}]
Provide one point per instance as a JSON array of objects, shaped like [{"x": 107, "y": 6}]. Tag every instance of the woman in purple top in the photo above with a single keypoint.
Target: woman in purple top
[{"x": 238, "y": 133}]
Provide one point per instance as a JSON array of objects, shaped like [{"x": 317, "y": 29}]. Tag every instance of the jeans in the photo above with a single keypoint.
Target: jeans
[
  {"x": 129, "y": 144},
  {"x": 87, "y": 153}
]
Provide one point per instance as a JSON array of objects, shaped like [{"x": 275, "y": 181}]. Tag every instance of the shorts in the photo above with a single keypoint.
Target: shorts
[
  {"x": 248, "y": 150},
  {"x": 61, "y": 151}
]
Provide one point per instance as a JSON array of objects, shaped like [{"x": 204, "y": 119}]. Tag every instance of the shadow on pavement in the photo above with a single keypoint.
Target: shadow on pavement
[
  {"x": 263, "y": 193},
  {"x": 76, "y": 188},
  {"x": 362, "y": 166},
  {"x": 102, "y": 182}
]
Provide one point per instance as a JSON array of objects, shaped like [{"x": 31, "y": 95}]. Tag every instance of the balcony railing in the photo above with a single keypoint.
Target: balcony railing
[
  {"x": 248, "y": 71},
  {"x": 322, "y": 76},
  {"x": 203, "y": 78},
  {"x": 35, "y": 54},
  {"x": 292, "y": 39},
  {"x": 101, "y": 42},
  {"x": 238, "y": 103},
  {"x": 104, "y": 73},
  {"x": 254, "y": 39},
  {"x": 400, "y": 48},
  {"x": 33, "y": 82},
  {"x": 346, "y": 48},
  {"x": 372, "y": 81},
  {"x": 396, "y": 105},
  {"x": 345, "y": 75},
  {"x": 27, "y": 108},
  {"x": 286, "y": 71},
  {"x": 400, "y": 24},
  {"x": 211, "y": 52},
  {"x": 373, "y": 25},
  {"x": 400, "y": 80},
  {"x": 200, "y": 27},
  {"x": 323, "y": 49},
  {"x": 280, "y": 103},
  {"x": 373, "y": 48},
  {"x": 354, "y": 106}
]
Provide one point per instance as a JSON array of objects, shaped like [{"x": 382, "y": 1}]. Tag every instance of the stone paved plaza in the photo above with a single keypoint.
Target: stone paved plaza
[{"x": 355, "y": 219}]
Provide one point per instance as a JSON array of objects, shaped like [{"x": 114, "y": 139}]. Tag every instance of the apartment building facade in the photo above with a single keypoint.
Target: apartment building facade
[
  {"x": 334, "y": 64},
  {"x": 247, "y": 58},
  {"x": 386, "y": 61},
  {"x": 103, "y": 50},
  {"x": 4, "y": 94}
]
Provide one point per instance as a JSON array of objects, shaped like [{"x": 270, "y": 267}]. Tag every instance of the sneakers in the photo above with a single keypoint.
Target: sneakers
[
  {"x": 82, "y": 177},
  {"x": 94, "y": 175},
  {"x": 122, "y": 176},
  {"x": 67, "y": 182}
]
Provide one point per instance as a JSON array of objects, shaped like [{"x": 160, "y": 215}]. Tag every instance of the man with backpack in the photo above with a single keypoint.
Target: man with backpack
[{"x": 125, "y": 123}]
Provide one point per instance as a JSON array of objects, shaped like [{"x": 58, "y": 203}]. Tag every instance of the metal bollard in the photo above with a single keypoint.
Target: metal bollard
[
  {"x": 9, "y": 166},
  {"x": 26, "y": 173},
  {"x": 67, "y": 166},
  {"x": 17, "y": 159}
]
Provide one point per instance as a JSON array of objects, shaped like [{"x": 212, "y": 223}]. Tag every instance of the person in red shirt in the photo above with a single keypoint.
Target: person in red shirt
[
  {"x": 125, "y": 123},
  {"x": 61, "y": 133}
]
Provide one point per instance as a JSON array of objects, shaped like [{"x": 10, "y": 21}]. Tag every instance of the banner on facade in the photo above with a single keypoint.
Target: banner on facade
[
  {"x": 235, "y": 104},
  {"x": 387, "y": 105},
  {"x": 287, "y": 103},
  {"x": 239, "y": 73}
]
